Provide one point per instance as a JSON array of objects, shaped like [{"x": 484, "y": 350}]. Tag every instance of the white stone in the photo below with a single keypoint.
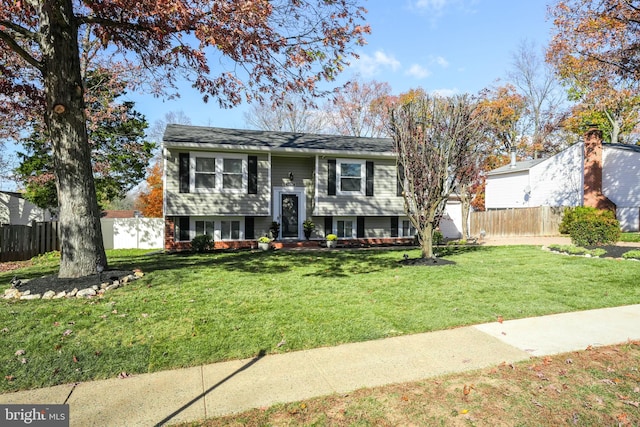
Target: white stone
[
  {"x": 111, "y": 287},
  {"x": 11, "y": 293},
  {"x": 88, "y": 292},
  {"x": 60, "y": 295},
  {"x": 49, "y": 295},
  {"x": 30, "y": 296}
]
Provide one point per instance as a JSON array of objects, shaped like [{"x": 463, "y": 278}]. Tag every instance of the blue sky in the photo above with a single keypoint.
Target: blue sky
[{"x": 448, "y": 46}]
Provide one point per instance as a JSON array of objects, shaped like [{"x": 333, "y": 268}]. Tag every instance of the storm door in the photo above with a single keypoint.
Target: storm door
[{"x": 289, "y": 211}]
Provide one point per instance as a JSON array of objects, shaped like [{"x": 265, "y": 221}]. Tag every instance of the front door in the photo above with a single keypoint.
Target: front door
[{"x": 289, "y": 209}]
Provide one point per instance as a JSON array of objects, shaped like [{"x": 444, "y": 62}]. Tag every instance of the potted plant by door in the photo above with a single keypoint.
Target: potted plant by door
[
  {"x": 274, "y": 230},
  {"x": 332, "y": 240},
  {"x": 264, "y": 243},
  {"x": 308, "y": 226}
]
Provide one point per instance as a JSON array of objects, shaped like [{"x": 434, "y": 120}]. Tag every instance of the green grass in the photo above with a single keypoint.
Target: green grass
[
  {"x": 194, "y": 309},
  {"x": 577, "y": 250},
  {"x": 630, "y": 237}
]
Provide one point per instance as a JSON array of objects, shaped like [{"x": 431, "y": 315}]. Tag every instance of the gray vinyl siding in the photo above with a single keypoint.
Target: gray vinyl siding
[
  {"x": 377, "y": 227},
  {"x": 383, "y": 202},
  {"x": 215, "y": 204},
  {"x": 303, "y": 175}
]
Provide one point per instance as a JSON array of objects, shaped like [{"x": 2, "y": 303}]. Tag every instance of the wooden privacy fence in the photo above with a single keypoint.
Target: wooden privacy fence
[
  {"x": 539, "y": 221},
  {"x": 22, "y": 242}
]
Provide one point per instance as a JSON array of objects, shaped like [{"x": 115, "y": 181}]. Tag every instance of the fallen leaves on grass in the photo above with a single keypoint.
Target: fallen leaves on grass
[{"x": 561, "y": 390}]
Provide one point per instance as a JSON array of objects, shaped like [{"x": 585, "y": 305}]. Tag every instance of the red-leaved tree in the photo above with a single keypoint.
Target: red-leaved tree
[
  {"x": 230, "y": 51},
  {"x": 435, "y": 139}
]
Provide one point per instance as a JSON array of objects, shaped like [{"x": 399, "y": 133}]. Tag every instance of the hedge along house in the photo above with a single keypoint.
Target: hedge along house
[
  {"x": 589, "y": 173},
  {"x": 232, "y": 184}
]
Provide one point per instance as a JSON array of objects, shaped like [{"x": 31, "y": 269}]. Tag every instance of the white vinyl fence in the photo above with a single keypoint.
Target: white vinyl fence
[{"x": 133, "y": 233}]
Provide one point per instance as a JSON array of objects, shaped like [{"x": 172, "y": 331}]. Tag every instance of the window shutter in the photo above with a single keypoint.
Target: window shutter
[
  {"x": 249, "y": 228},
  {"x": 394, "y": 226},
  {"x": 328, "y": 225},
  {"x": 369, "y": 189},
  {"x": 331, "y": 185},
  {"x": 252, "y": 187},
  {"x": 183, "y": 226},
  {"x": 360, "y": 227},
  {"x": 183, "y": 172},
  {"x": 400, "y": 180}
]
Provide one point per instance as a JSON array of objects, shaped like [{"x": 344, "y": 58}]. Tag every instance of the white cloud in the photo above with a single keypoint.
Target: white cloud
[
  {"x": 418, "y": 71},
  {"x": 432, "y": 4},
  {"x": 436, "y": 9},
  {"x": 371, "y": 65},
  {"x": 441, "y": 61}
]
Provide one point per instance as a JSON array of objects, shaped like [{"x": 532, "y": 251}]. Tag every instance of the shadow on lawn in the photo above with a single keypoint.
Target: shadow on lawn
[{"x": 339, "y": 263}]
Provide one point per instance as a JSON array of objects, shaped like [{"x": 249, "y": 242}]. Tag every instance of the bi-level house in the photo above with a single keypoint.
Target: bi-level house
[{"x": 232, "y": 184}]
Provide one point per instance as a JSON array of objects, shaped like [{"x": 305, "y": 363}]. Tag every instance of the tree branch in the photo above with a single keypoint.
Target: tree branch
[{"x": 15, "y": 46}]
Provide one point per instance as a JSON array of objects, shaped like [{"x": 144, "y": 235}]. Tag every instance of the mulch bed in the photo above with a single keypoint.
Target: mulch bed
[
  {"x": 43, "y": 284},
  {"x": 426, "y": 262},
  {"x": 614, "y": 251}
]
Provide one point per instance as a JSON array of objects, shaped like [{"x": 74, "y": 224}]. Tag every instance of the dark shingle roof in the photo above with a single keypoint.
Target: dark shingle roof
[
  {"x": 182, "y": 135},
  {"x": 519, "y": 166}
]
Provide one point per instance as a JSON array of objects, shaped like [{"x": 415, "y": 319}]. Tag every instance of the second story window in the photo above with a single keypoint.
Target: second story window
[
  {"x": 220, "y": 173},
  {"x": 232, "y": 174},
  {"x": 205, "y": 173},
  {"x": 351, "y": 176}
]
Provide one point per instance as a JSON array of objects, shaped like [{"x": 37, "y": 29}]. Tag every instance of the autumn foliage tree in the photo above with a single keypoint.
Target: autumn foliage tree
[
  {"x": 435, "y": 138},
  {"x": 149, "y": 201},
  {"x": 230, "y": 51},
  {"x": 596, "y": 52},
  {"x": 360, "y": 109}
]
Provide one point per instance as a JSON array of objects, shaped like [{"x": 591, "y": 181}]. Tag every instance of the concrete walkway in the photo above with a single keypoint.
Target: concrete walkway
[{"x": 193, "y": 394}]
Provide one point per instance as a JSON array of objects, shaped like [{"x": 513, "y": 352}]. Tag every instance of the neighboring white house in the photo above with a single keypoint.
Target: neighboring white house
[
  {"x": 15, "y": 210},
  {"x": 573, "y": 178}
]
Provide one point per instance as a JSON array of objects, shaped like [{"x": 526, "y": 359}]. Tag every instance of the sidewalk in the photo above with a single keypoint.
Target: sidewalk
[{"x": 193, "y": 394}]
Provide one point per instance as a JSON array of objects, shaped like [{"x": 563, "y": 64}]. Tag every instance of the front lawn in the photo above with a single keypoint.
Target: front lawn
[{"x": 194, "y": 309}]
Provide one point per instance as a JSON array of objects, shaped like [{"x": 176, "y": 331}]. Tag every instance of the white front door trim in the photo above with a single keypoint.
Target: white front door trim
[{"x": 277, "y": 206}]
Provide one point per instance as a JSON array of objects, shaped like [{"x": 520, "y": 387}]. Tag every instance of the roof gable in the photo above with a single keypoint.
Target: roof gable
[{"x": 518, "y": 167}]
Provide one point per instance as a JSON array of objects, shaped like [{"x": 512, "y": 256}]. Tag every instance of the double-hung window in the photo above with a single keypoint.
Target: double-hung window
[
  {"x": 229, "y": 230},
  {"x": 205, "y": 173},
  {"x": 205, "y": 227},
  {"x": 351, "y": 176},
  {"x": 345, "y": 227},
  {"x": 407, "y": 230},
  {"x": 232, "y": 174},
  {"x": 221, "y": 173}
]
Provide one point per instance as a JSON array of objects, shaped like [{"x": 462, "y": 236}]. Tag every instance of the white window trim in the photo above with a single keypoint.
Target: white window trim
[
  {"x": 354, "y": 227},
  {"x": 401, "y": 228},
  {"x": 192, "y": 173},
  {"x": 219, "y": 173},
  {"x": 217, "y": 226},
  {"x": 363, "y": 177}
]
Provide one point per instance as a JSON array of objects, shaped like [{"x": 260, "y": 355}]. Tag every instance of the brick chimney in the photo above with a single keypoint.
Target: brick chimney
[{"x": 593, "y": 172}]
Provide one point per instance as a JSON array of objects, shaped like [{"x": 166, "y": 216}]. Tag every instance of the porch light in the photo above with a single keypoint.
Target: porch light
[{"x": 290, "y": 176}]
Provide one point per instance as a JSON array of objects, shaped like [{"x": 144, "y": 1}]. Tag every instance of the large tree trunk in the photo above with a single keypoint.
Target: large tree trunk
[
  {"x": 79, "y": 216},
  {"x": 426, "y": 241}
]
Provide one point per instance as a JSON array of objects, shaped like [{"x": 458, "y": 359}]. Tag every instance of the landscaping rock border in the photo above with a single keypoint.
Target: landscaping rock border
[{"x": 51, "y": 287}]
